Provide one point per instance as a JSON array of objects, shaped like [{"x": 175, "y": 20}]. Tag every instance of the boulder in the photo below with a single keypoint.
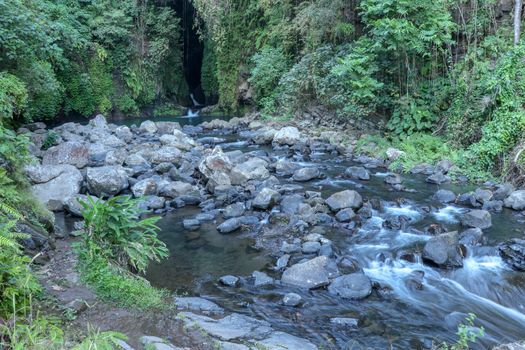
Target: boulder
[
  {"x": 166, "y": 154},
  {"x": 285, "y": 168},
  {"x": 393, "y": 179},
  {"x": 252, "y": 169},
  {"x": 516, "y": 200},
  {"x": 444, "y": 196},
  {"x": 216, "y": 168},
  {"x": 264, "y": 136},
  {"x": 179, "y": 140},
  {"x": 292, "y": 299},
  {"x": 44, "y": 173},
  {"x": 167, "y": 127},
  {"x": 73, "y": 152},
  {"x": 513, "y": 253},
  {"x": 438, "y": 178},
  {"x": 54, "y": 192},
  {"x": 261, "y": 279},
  {"x": 124, "y": 133},
  {"x": 357, "y": 173},
  {"x": 306, "y": 174},
  {"x": 345, "y": 215},
  {"x": 352, "y": 286},
  {"x": 229, "y": 280},
  {"x": 198, "y": 304},
  {"x": 146, "y": 187},
  {"x": 471, "y": 237},
  {"x": 99, "y": 122},
  {"x": 266, "y": 199},
  {"x": 393, "y": 153},
  {"x": 477, "y": 218},
  {"x": 503, "y": 191},
  {"x": 233, "y": 210},
  {"x": 191, "y": 224},
  {"x": 148, "y": 126},
  {"x": 310, "y": 274},
  {"x": 344, "y": 199},
  {"x": 444, "y": 250},
  {"x": 73, "y": 206},
  {"x": 177, "y": 189},
  {"x": 106, "y": 180},
  {"x": 310, "y": 247},
  {"x": 287, "y": 136},
  {"x": 230, "y": 225}
]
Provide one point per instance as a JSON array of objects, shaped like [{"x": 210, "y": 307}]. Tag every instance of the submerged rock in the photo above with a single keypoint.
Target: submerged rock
[
  {"x": 444, "y": 250},
  {"x": 230, "y": 225}
]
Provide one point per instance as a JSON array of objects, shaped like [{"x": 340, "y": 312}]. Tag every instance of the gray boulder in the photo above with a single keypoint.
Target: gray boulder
[
  {"x": 445, "y": 196},
  {"x": 477, "y": 218},
  {"x": 444, "y": 250},
  {"x": 191, "y": 224},
  {"x": 292, "y": 299},
  {"x": 166, "y": 154},
  {"x": 167, "y": 127},
  {"x": 107, "y": 180},
  {"x": 124, "y": 133},
  {"x": 345, "y": 215},
  {"x": 503, "y": 191},
  {"x": 310, "y": 274},
  {"x": 233, "y": 210},
  {"x": 230, "y": 225},
  {"x": 438, "y": 178},
  {"x": 261, "y": 279},
  {"x": 252, "y": 169},
  {"x": 287, "y": 136},
  {"x": 357, "y": 173},
  {"x": 176, "y": 189},
  {"x": 54, "y": 192},
  {"x": 197, "y": 304},
  {"x": 352, "y": 286},
  {"x": 229, "y": 280},
  {"x": 516, "y": 200},
  {"x": 146, "y": 187},
  {"x": 306, "y": 174},
  {"x": 216, "y": 168},
  {"x": 513, "y": 253},
  {"x": 344, "y": 199},
  {"x": 148, "y": 126},
  {"x": 73, "y": 206},
  {"x": 73, "y": 153},
  {"x": 266, "y": 199}
]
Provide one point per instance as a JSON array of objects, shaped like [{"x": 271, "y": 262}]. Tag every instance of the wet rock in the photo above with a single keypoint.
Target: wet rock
[
  {"x": 444, "y": 196},
  {"x": 477, "y": 218},
  {"x": 516, "y": 200},
  {"x": 444, "y": 166},
  {"x": 290, "y": 247},
  {"x": 352, "y": 286},
  {"x": 344, "y": 199},
  {"x": 191, "y": 224},
  {"x": 310, "y": 274},
  {"x": 444, "y": 250},
  {"x": 415, "y": 280},
  {"x": 471, "y": 237},
  {"x": 234, "y": 326},
  {"x": 72, "y": 153},
  {"x": 425, "y": 169},
  {"x": 179, "y": 140},
  {"x": 282, "y": 262},
  {"x": 252, "y": 169},
  {"x": 229, "y": 280},
  {"x": 266, "y": 199},
  {"x": 54, "y": 192},
  {"x": 292, "y": 299},
  {"x": 393, "y": 179},
  {"x": 482, "y": 195},
  {"x": 264, "y": 136},
  {"x": 285, "y": 168},
  {"x": 261, "y": 279},
  {"x": 148, "y": 126},
  {"x": 230, "y": 225},
  {"x": 287, "y": 136},
  {"x": 306, "y": 174},
  {"x": 233, "y": 210},
  {"x": 281, "y": 340},
  {"x": 154, "y": 202},
  {"x": 396, "y": 223},
  {"x": 494, "y": 206},
  {"x": 310, "y": 247},
  {"x": 438, "y": 178},
  {"x": 357, "y": 173},
  {"x": 345, "y": 215},
  {"x": 503, "y": 191},
  {"x": 146, "y": 187},
  {"x": 345, "y": 321},
  {"x": 197, "y": 304},
  {"x": 107, "y": 180},
  {"x": 513, "y": 253}
]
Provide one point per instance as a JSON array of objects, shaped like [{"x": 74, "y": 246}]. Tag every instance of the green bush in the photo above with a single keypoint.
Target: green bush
[
  {"x": 13, "y": 97},
  {"x": 269, "y": 66}
]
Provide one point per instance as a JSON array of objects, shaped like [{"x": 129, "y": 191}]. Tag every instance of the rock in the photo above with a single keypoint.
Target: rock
[
  {"x": 230, "y": 225},
  {"x": 177, "y": 189},
  {"x": 261, "y": 279},
  {"x": 154, "y": 202},
  {"x": 224, "y": 345},
  {"x": 290, "y": 247},
  {"x": 344, "y": 199},
  {"x": 495, "y": 206},
  {"x": 444, "y": 250},
  {"x": 285, "y": 168},
  {"x": 156, "y": 343},
  {"x": 471, "y": 237},
  {"x": 513, "y": 253},
  {"x": 444, "y": 166},
  {"x": 229, "y": 280},
  {"x": 310, "y": 247},
  {"x": 146, "y": 187},
  {"x": 393, "y": 153},
  {"x": 252, "y": 169},
  {"x": 167, "y": 127},
  {"x": 234, "y": 210},
  {"x": 264, "y": 136},
  {"x": 345, "y": 215},
  {"x": 72, "y": 152},
  {"x": 310, "y": 274},
  {"x": 477, "y": 218},
  {"x": 148, "y": 126},
  {"x": 287, "y": 136},
  {"x": 281, "y": 340},
  {"x": 107, "y": 180},
  {"x": 266, "y": 199},
  {"x": 99, "y": 122},
  {"x": 282, "y": 262},
  {"x": 198, "y": 304},
  {"x": 445, "y": 196},
  {"x": 393, "y": 179},
  {"x": 425, "y": 169},
  {"x": 124, "y": 133},
  {"x": 54, "y": 192},
  {"x": 438, "y": 178},
  {"x": 115, "y": 157},
  {"x": 216, "y": 168},
  {"x": 306, "y": 174},
  {"x": 166, "y": 154},
  {"x": 352, "y": 286},
  {"x": 482, "y": 196},
  {"x": 292, "y": 299},
  {"x": 191, "y": 224},
  {"x": 179, "y": 140},
  {"x": 72, "y": 205},
  {"x": 345, "y": 321},
  {"x": 519, "y": 345},
  {"x": 503, "y": 191},
  {"x": 357, "y": 173},
  {"x": 516, "y": 200}
]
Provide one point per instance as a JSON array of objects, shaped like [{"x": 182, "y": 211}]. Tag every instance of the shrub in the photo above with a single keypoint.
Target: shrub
[
  {"x": 269, "y": 66},
  {"x": 13, "y": 97}
]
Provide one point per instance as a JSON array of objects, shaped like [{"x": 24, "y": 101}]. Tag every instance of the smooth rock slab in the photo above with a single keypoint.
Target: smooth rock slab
[
  {"x": 281, "y": 340},
  {"x": 198, "y": 304},
  {"x": 310, "y": 274},
  {"x": 352, "y": 286}
]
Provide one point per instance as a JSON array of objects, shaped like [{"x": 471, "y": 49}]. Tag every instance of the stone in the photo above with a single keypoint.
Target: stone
[
  {"x": 191, "y": 224},
  {"x": 73, "y": 153},
  {"x": 306, "y": 174},
  {"x": 513, "y": 253},
  {"x": 177, "y": 189},
  {"x": 352, "y": 286},
  {"x": 229, "y": 280},
  {"x": 357, "y": 173},
  {"x": 154, "y": 202},
  {"x": 156, "y": 343},
  {"x": 285, "y": 168},
  {"x": 230, "y": 225},
  {"x": 503, "y": 191},
  {"x": 482, "y": 195},
  {"x": 393, "y": 179},
  {"x": 73, "y": 206},
  {"x": 444, "y": 166},
  {"x": 310, "y": 274},
  {"x": 124, "y": 133},
  {"x": 444, "y": 250},
  {"x": 197, "y": 304},
  {"x": 266, "y": 199},
  {"x": 292, "y": 299},
  {"x": 345, "y": 321},
  {"x": 148, "y": 126},
  {"x": 344, "y": 199},
  {"x": 54, "y": 192},
  {"x": 167, "y": 127},
  {"x": 216, "y": 168},
  {"x": 471, "y": 237},
  {"x": 393, "y": 153},
  {"x": 234, "y": 210},
  {"x": 282, "y": 262},
  {"x": 252, "y": 169},
  {"x": 438, "y": 178},
  {"x": 495, "y": 206},
  {"x": 99, "y": 122},
  {"x": 179, "y": 140},
  {"x": 224, "y": 345},
  {"x": 310, "y": 247},
  {"x": 115, "y": 157},
  {"x": 444, "y": 196},
  {"x": 345, "y": 215},
  {"x": 166, "y": 154},
  {"x": 289, "y": 135},
  {"x": 519, "y": 345},
  {"x": 264, "y": 136},
  {"x": 281, "y": 340},
  {"x": 261, "y": 279},
  {"x": 477, "y": 218},
  {"x": 516, "y": 200},
  {"x": 146, "y": 187},
  {"x": 106, "y": 180}
]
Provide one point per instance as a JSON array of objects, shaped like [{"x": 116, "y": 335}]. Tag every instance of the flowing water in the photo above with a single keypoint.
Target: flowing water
[{"x": 397, "y": 314}]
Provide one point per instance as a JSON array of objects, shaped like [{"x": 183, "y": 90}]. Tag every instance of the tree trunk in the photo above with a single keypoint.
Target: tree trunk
[{"x": 517, "y": 22}]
